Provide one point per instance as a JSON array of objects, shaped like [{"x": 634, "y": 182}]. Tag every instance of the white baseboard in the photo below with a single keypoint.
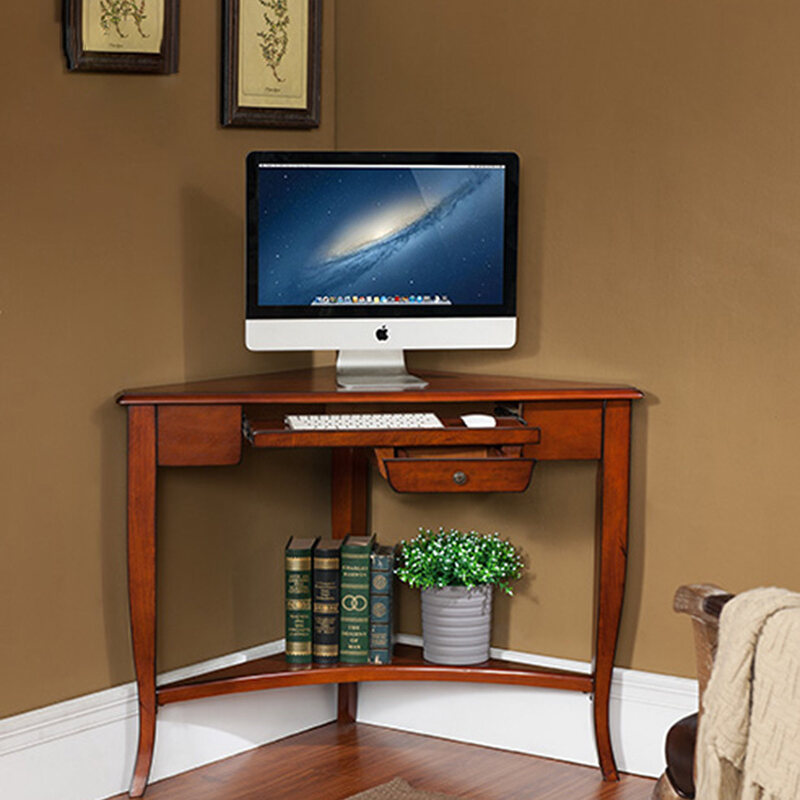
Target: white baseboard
[
  {"x": 542, "y": 722},
  {"x": 83, "y": 749}
]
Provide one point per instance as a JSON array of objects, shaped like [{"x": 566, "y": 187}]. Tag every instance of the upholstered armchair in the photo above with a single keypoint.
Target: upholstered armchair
[{"x": 703, "y": 603}]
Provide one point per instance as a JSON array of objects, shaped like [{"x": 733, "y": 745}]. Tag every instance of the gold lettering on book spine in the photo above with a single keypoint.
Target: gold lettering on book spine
[
  {"x": 298, "y": 648},
  {"x": 326, "y": 563},
  {"x": 297, "y": 605},
  {"x": 298, "y": 563}
]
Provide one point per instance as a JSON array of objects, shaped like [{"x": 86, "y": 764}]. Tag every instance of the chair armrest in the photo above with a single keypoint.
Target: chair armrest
[{"x": 703, "y": 602}]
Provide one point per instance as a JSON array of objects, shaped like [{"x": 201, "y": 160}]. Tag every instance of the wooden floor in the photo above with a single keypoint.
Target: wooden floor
[{"x": 335, "y": 761}]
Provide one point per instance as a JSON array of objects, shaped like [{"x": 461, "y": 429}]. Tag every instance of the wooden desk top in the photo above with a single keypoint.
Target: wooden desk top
[{"x": 319, "y": 386}]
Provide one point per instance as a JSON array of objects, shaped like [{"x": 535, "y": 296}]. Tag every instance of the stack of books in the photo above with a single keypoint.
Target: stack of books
[{"x": 339, "y": 601}]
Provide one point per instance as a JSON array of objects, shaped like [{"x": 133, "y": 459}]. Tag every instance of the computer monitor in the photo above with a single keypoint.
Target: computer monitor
[{"x": 373, "y": 253}]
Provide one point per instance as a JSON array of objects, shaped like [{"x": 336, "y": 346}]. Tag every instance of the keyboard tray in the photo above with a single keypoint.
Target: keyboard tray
[{"x": 274, "y": 433}]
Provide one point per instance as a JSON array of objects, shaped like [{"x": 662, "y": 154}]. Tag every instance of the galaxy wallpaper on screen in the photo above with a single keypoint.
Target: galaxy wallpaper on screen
[{"x": 380, "y": 231}]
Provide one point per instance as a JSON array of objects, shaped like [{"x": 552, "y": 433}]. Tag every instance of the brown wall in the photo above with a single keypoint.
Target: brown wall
[
  {"x": 659, "y": 246},
  {"x": 121, "y": 223}
]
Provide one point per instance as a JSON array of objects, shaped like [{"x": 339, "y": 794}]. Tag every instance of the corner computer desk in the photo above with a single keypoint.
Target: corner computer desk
[{"x": 208, "y": 424}]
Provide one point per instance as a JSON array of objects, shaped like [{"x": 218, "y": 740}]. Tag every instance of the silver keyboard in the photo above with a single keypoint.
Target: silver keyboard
[{"x": 362, "y": 422}]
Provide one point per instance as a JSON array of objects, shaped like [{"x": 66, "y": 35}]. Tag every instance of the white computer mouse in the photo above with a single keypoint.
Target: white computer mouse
[{"x": 479, "y": 420}]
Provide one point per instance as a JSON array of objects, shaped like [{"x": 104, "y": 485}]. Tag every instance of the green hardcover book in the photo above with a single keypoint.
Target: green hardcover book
[
  {"x": 354, "y": 606},
  {"x": 326, "y": 579},
  {"x": 380, "y": 605},
  {"x": 298, "y": 600}
]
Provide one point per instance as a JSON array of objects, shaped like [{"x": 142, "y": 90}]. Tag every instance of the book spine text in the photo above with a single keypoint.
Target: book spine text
[
  {"x": 354, "y": 607},
  {"x": 381, "y": 599},
  {"x": 298, "y": 606},
  {"x": 325, "y": 636}
]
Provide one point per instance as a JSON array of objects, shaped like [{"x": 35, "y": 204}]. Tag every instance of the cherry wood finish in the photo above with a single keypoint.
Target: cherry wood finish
[
  {"x": 200, "y": 423},
  {"x": 319, "y": 386},
  {"x": 191, "y": 436},
  {"x": 349, "y": 475},
  {"x": 569, "y": 430},
  {"x": 489, "y": 473},
  {"x": 142, "y": 579},
  {"x": 347, "y": 703},
  {"x": 407, "y": 665},
  {"x": 336, "y": 761},
  {"x": 612, "y": 548}
]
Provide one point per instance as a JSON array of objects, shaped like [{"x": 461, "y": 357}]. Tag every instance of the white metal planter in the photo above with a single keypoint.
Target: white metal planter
[{"x": 456, "y": 624}]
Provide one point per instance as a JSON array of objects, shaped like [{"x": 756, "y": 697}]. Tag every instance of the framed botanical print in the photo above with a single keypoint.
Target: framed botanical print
[
  {"x": 121, "y": 35},
  {"x": 271, "y": 63}
]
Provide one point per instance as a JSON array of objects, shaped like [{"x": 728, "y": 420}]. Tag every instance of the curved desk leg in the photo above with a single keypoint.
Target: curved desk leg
[
  {"x": 142, "y": 579},
  {"x": 612, "y": 556}
]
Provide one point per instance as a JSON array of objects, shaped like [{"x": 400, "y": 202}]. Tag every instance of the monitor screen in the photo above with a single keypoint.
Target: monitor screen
[
  {"x": 381, "y": 234},
  {"x": 366, "y": 252}
]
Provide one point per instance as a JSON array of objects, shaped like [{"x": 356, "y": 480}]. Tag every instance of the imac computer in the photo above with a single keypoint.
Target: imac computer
[{"x": 371, "y": 254}]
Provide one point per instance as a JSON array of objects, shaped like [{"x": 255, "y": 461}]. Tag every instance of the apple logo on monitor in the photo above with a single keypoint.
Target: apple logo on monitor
[{"x": 382, "y": 334}]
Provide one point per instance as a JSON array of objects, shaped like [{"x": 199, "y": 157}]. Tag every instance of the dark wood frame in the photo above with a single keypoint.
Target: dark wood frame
[
  {"x": 248, "y": 116},
  {"x": 201, "y": 424},
  {"x": 80, "y": 60}
]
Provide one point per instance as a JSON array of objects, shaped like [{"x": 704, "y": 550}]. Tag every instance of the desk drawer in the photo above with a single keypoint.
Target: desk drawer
[
  {"x": 488, "y": 469},
  {"x": 199, "y": 435},
  {"x": 570, "y": 431}
]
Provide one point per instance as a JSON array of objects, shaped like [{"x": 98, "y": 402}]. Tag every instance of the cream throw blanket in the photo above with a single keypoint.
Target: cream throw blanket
[{"x": 748, "y": 744}]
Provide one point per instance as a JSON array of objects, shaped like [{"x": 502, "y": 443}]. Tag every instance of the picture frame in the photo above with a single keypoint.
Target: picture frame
[
  {"x": 121, "y": 35},
  {"x": 271, "y": 63}
]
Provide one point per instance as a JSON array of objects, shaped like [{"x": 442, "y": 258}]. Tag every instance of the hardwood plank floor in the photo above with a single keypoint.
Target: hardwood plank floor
[{"x": 334, "y": 761}]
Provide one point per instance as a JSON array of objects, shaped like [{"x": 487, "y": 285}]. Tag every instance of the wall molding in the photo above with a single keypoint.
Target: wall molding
[
  {"x": 88, "y": 743},
  {"x": 643, "y": 707}
]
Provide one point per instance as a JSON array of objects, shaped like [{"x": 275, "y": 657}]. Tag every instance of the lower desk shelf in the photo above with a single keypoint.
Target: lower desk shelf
[{"x": 407, "y": 665}]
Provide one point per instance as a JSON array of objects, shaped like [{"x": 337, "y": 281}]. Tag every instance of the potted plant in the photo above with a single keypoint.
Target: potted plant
[{"x": 456, "y": 572}]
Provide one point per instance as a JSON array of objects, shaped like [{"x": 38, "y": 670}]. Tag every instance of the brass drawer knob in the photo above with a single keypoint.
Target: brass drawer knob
[{"x": 460, "y": 478}]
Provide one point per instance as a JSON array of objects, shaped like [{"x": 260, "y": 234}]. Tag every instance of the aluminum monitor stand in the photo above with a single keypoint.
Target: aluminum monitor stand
[{"x": 379, "y": 370}]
